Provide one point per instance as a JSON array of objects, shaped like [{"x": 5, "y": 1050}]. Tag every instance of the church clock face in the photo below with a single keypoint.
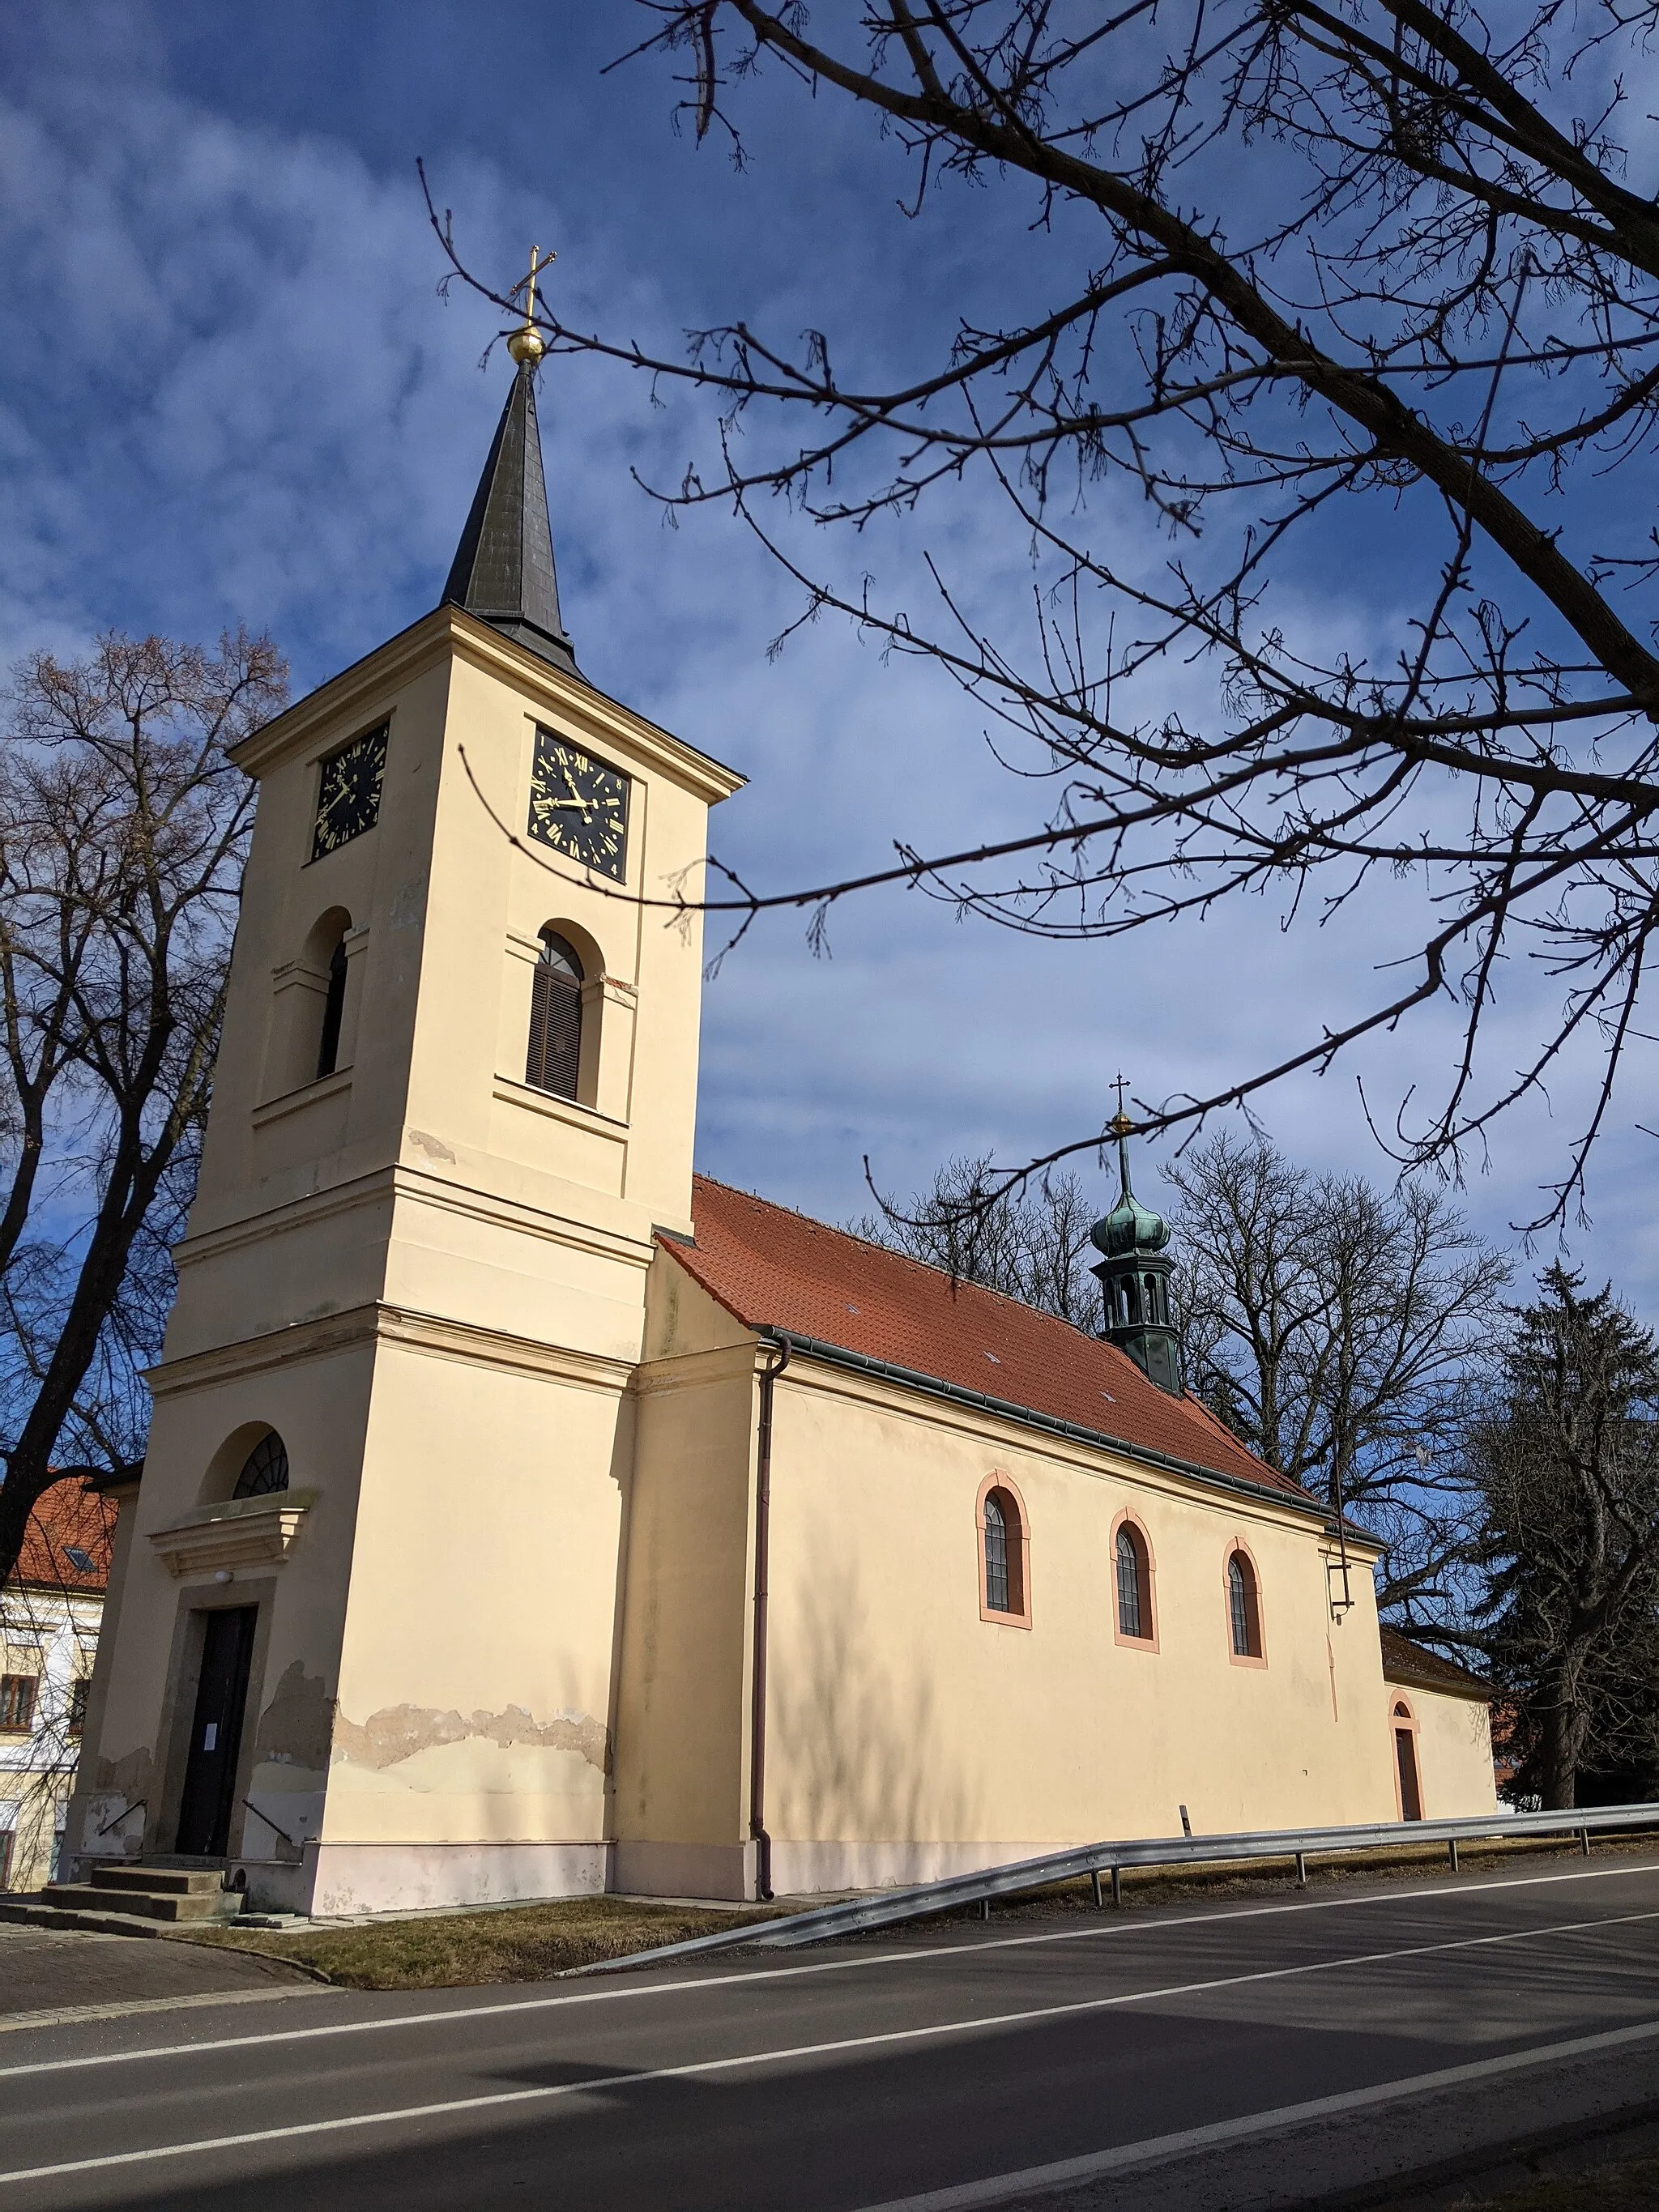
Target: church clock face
[
  {"x": 349, "y": 791},
  {"x": 579, "y": 807}
]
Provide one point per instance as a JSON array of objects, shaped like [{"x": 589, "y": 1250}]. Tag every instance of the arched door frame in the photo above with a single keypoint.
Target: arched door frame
[{"x": 1402, "y": 1719}]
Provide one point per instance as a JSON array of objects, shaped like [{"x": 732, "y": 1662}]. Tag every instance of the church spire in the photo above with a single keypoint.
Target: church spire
[
  {"x": 503, "y": 568},
  {"x": 1134, "y": 1273}
]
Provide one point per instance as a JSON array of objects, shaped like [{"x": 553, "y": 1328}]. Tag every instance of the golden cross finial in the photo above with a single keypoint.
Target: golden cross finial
[
  {"x": 526, "y": 343},
  {"x": 1120, "y": 1125}
]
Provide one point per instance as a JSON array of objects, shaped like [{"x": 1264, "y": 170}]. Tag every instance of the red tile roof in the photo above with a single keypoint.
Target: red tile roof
[
  {"x": 67, "y": 1515},
  {"x": 1405, "y": 1661},
  {"x": 770, "y": 1268}
]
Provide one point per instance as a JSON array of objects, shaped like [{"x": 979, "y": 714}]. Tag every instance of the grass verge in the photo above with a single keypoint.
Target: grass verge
[
  {"x": 459, "y": 1950},
  {"x": 530, "y": 1942}
]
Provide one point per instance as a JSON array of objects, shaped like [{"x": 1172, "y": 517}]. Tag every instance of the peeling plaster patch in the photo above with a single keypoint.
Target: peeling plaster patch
[
  {"x": 129, "y": 1776},
  {"x": 434, "y": 1147},
  {"x": 297, "y": 1727},
  {"x": 118, "y": 1787},
  {"x": 397, "y": 1732}
]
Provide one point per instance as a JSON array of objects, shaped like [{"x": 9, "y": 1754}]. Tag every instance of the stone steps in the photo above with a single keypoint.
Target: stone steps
[
  {"x": 150, "y": 1905},
  {"x": 130, "y": 1899},
  {"x": 154, "y": 1880}
]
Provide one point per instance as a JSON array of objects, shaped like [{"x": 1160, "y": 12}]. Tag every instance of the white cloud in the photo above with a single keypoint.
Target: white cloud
[{"x": 232, "y": 394}]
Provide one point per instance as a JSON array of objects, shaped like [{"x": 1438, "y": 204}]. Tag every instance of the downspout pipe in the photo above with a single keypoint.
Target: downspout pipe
[{"x": 778, "y": 1346}]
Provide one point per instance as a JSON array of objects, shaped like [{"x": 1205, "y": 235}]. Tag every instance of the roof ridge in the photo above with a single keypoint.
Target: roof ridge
[{"x": 892, "y": 1252}]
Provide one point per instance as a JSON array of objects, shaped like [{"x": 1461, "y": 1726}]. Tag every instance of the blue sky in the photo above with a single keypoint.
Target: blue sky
[{"x": 230, "y": 390}]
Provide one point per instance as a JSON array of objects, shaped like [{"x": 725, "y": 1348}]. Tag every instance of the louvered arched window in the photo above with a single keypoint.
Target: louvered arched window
[
  {"x": 554, "y": 1061},
  {"x": 328, "y": 1049}
]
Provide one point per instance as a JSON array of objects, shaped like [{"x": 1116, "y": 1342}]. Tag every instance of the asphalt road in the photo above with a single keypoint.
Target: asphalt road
[{"x": 1250, "y": 2055}]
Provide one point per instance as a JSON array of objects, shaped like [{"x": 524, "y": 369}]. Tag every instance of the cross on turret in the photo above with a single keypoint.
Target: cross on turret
[{"x": 1134, "y": 1272}]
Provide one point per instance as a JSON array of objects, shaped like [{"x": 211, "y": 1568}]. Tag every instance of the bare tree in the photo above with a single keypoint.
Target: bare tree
[
  {"x": 1031, "y": 1244},
  {"x": 1345, "y": 1334},
  {"x": 1567, "y": 1463},
  {"x": 1342, "y": 1332},
  {"x": 123, "y": 831},
  {"x": 1313, "y": 278}
]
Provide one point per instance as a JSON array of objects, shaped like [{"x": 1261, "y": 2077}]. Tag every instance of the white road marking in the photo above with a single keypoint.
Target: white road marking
[
  {"x": 68, "y": 2015},
  {"x": 494, "y": 2099},
  {"x": 1035, "y": 2180},
  {"x": 443, "y": 2017}
]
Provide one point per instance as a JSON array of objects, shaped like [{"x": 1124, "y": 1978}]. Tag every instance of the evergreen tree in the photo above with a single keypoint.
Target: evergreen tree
[{"x": 1566, "y": 1461}]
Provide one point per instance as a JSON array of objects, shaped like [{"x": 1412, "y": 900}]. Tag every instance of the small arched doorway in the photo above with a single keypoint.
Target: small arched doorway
[{"x": 1404, "y": 1725}]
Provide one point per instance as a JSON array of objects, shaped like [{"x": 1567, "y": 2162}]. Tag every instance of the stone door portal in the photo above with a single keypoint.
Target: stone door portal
[{"x": 216, "y": 1734}]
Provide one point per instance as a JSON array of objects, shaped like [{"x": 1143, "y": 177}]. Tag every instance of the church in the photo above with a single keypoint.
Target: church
[{"x": 525, "y": 1514}]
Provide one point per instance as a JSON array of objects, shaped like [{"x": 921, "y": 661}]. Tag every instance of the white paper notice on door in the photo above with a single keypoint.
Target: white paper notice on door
[{"x": 210, "y": 1736}]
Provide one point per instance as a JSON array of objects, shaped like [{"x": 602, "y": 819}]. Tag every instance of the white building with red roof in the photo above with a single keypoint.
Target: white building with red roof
[
  {"x": 50, "y": 1612},
  {"x": 523, "y": 1515}
]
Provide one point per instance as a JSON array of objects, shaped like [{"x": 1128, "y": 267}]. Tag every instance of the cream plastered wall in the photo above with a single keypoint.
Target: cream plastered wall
[
  {"x": 483, "y": 1252},
  {"x": 1454, "y": 1749},
  {"x": 88, "y": 1809},
  {"x": 898, "y": 1715},
  {"x": 319, "y": 1404},
  {"x": 681, "y": 1802},
  {"x": 906, "y": 1735},
  {"x": 475, "y": 1684}
]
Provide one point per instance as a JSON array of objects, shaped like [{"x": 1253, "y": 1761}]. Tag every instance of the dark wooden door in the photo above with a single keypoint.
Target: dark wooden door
[
  {"x": 1410, "y": 1797},
  {"x": 216, "y": 1734}
]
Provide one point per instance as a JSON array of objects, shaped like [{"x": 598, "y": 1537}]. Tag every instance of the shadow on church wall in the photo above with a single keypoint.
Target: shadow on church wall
[{"x": 853, "y": 1750}]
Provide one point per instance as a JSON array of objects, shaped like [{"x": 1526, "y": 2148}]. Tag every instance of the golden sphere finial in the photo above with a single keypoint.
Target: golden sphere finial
[{"x": 526, "y": 344}]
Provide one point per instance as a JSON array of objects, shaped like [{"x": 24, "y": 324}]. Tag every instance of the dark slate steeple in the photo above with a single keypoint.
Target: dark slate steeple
[{"x": 503, "y": 567}]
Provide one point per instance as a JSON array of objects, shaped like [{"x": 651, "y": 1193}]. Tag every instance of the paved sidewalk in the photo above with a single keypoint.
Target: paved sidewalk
[{"x": 44, "y": 1968}]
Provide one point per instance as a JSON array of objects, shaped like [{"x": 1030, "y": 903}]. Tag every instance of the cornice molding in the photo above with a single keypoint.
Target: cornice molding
[
  {"x": 418, "y": 1187},
  {"x": 252, "y": 1532},
  {"x": 386, "y": 666},
  {"x": 1006, "y": 1427},
  {"x": 695, "y": 1370},
  {"x": 438, "y": 1335},
  {"x": 463, "y": 637},
  {"x": 604, "y": 719}
]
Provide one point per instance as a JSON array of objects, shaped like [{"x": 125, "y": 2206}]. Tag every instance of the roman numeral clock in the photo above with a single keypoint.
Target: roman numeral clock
[
  {"x": 579, "y": 807},
  {"x": 349, "y": 791}
]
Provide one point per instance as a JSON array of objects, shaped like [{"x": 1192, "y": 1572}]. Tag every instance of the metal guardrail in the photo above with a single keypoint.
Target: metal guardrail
[{"x": 857, "y": 1914}]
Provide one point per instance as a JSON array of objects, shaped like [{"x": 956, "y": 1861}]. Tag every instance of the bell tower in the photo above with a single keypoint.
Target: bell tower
[
  {"x": 1134, "y": 1273},
  {"x": 455, "y": 1098}
]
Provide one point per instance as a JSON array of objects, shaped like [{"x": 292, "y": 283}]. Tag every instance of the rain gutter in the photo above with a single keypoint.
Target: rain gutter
[
  {"x": 861, "y": 1363},
  {"x": 773, "y": 1341}
]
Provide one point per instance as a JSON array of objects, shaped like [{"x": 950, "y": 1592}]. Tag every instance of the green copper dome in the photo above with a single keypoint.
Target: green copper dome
[
  {"x": 1134, "y": 1276},
  {"x": 1130, "y": 1228}
]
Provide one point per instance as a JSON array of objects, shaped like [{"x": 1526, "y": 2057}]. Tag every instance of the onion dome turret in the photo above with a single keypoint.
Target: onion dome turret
[{"x": 1134, "y": 1273}]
